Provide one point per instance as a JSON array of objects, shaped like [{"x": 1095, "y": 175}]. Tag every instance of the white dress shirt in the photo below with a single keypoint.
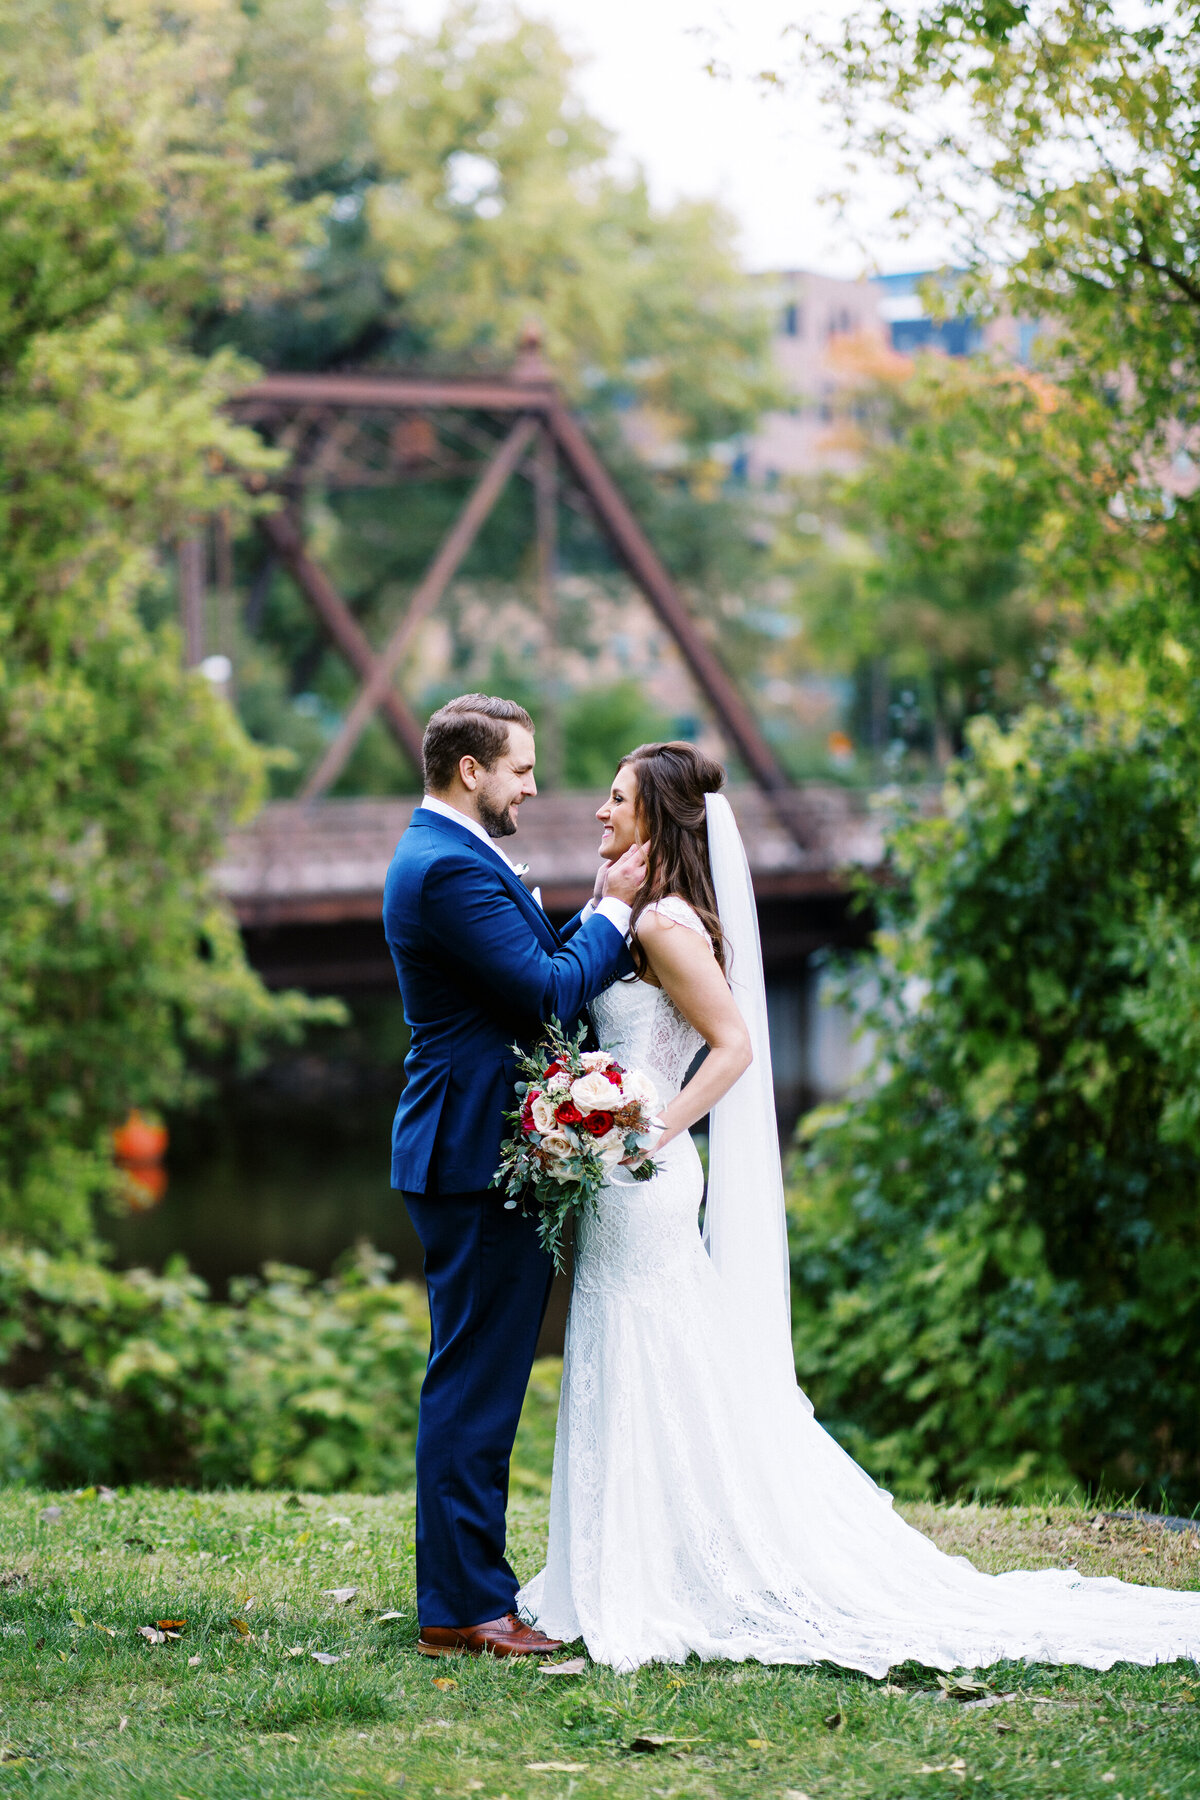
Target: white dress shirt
[{"x": 617, "y": 912}]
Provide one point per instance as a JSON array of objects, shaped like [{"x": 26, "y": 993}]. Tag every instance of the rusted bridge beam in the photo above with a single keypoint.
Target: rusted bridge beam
[{"x": 283, "y": 535}]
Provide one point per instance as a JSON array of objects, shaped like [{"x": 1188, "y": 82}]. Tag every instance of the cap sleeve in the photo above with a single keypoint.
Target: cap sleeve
[{"x": 675, "y": 908}]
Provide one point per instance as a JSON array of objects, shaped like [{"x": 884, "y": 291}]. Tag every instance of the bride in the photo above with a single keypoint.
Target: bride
[{"x": 697, "y": 1507}]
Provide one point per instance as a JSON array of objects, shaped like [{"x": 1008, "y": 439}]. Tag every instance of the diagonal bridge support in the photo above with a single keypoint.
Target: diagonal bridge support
[{"x": 364, "y": 429}]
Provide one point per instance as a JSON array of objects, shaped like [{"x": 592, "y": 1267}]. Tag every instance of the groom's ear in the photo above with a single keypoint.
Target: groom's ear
[{"x": 468, "y": 772}]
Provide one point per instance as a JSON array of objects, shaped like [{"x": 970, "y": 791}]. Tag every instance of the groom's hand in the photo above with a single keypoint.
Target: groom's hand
[{"x": 627, "y": 874}]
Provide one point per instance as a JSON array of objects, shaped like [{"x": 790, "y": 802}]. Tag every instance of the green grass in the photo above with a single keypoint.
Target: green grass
[{"x": 226, "y": 1712}]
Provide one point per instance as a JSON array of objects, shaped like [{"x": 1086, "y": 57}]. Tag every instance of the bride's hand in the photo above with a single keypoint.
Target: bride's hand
[{"x": 661, "y": 1136}]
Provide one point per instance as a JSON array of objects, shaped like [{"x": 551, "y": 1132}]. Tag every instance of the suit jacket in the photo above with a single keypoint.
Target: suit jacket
[{"x": 480, "y": 966}]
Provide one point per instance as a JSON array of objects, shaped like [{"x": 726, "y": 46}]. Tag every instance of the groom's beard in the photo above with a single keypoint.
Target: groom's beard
[{"x": 496, "y": 824}]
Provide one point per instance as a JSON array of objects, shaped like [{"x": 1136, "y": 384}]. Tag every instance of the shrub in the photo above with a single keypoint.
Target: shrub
[
  {"x": 137, "y": 1377},
  {"x": 997, "y": 1244}
]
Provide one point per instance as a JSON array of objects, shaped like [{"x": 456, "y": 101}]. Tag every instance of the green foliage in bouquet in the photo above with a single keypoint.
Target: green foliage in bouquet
[
  {"x": 996, "y": 1245},
  {"x": 108, "y": 1377},
  {"x": 556, "y": 1174}
]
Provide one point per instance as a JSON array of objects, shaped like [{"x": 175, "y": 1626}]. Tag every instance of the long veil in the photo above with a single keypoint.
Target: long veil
[{"x": 745, "y": 1227}]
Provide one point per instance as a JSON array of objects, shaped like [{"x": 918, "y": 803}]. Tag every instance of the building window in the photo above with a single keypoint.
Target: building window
[{"x": 793, "y": 320}]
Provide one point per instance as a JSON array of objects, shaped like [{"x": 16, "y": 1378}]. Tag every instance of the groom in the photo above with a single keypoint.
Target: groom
[{"x": 479, "y": 965}]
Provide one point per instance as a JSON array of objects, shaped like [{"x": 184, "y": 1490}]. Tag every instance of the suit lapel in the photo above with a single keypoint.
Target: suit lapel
[{"x": 513, "y": 882}]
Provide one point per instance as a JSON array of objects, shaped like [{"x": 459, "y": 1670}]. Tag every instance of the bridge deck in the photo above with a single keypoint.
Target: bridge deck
[{"x": 323, "y": 863}]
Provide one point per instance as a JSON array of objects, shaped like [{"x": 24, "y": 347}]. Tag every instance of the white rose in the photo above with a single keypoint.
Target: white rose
[
  {"x": 640, "y": 1091},
  {"x": 595, "y": 1059},
  {"x": 559, "y": 1084},
  {"x": 594, "y": 1092},
  {"x": 558, "y": 1145},
  {"x": 543, "y": 1114},
  {"x": 610, "y": 1148}
]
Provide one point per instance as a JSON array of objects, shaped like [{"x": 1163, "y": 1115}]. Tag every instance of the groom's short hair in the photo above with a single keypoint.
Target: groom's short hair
[{"x": 473, "y": 725}]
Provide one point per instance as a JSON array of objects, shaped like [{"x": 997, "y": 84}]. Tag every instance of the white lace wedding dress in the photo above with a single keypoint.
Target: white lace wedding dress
[{"x": 699, "y": 1509}]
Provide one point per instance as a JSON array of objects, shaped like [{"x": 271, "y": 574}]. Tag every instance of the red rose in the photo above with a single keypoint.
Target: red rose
[
  {"x": 527, "y": 1111},
  {"x": 598, "y": 1123},
  {"x": 615, "y": 1073},
  {"x": 568, "y": 1113},
  {"x": 556, "y": 1068}
]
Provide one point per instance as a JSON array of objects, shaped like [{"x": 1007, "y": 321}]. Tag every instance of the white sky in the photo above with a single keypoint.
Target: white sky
[{"x": 765, "y": 154}]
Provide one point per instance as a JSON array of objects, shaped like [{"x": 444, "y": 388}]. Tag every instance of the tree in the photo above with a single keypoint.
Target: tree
[
  {"x": 471, "y": 190},
  {"x": 928, "y": 573},
  {"x": 1059, "y": 141},
  {"x": 1008, "y": 1210},
  {"x": 136, "y": 197}
]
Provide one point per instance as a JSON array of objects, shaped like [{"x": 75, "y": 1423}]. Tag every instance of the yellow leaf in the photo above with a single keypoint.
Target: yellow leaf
[
  {"x": 241, "y": 1627},
  {"x": 443, "y": 1681}
]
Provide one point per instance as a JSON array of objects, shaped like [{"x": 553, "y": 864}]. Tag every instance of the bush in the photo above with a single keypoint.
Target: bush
[
  {"x": 997, "y": 1245},
  {"x": 136, "y": 1377}
]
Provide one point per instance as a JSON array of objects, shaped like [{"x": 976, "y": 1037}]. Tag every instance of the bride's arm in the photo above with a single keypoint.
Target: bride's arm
[{"x": 683, "y": 962}]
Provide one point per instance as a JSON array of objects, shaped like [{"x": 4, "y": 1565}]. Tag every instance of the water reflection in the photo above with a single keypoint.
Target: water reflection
[{"x": 291, "y": 1165}]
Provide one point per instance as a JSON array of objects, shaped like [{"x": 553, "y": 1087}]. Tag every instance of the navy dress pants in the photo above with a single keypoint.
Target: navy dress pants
[{"x": 488, "y": 1281}]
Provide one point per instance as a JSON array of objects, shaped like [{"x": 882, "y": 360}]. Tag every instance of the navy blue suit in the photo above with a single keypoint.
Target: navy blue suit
[{"x": 480, "y": 966}]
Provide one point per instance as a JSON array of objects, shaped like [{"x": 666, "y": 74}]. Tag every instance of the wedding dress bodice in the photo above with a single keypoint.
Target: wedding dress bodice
[{"x": 641, "y": 1025}]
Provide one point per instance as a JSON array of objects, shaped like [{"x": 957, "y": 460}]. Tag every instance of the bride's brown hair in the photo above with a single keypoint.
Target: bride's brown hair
[{"x": 672, "y": 780}]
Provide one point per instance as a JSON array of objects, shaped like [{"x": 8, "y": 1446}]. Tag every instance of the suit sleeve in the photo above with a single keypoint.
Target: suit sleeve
[{"x": 482, "y": 931}]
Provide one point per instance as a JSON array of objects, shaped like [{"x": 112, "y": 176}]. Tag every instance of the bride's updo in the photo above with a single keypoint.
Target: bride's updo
[{"x": 672, "y": 780}]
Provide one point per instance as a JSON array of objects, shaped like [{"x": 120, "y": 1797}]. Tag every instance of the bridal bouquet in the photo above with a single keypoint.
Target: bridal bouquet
[{"x": 578, "y": 1114}]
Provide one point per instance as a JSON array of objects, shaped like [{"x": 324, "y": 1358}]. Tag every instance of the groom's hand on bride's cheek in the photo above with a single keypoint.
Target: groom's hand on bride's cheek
[{"x": 627, "y": 874}]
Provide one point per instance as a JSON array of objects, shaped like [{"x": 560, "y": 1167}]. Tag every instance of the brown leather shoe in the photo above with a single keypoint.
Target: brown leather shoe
[{"x": 508, "y": 1636}]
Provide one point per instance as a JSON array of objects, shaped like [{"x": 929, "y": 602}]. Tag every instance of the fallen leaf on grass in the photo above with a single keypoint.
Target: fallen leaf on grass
[
  {"x": 795, "y": 1794},
  {"x": 77, "y": 1618},
  {"x": 152, "y": 1634},
  {"x": 384, "y": 1617},
  {"x": 756, "y": 1743},
  {"x": 108, "y": 1630},
  {"x": 574, "y": 1665},
  {"x": 991, "y": 1700},
  {"x": 241, "y": 1626},
  {"x": 294, "y": 1650},
  {"x": 444, "y": 1681},
  {"x": 896, "y": 1692},
  {"x": 171, "y": 1624},
  {"x": 48, "y": 1514},
  {"x": 340, "y": 1596},
  {"x": 121, "y": 1726},
  {"x": 275, "y": 1737},
  {"x": 961, "y": 1687},
  {"x": 951, "y": 1768},
  {"x": 649, "y": 1744},
  {"x": 558, "y": 1768},
  {"x": 193, "y": 1662},
  {"x": 834, "y": 1722},
  {"x": 324, "y": 1657}
]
